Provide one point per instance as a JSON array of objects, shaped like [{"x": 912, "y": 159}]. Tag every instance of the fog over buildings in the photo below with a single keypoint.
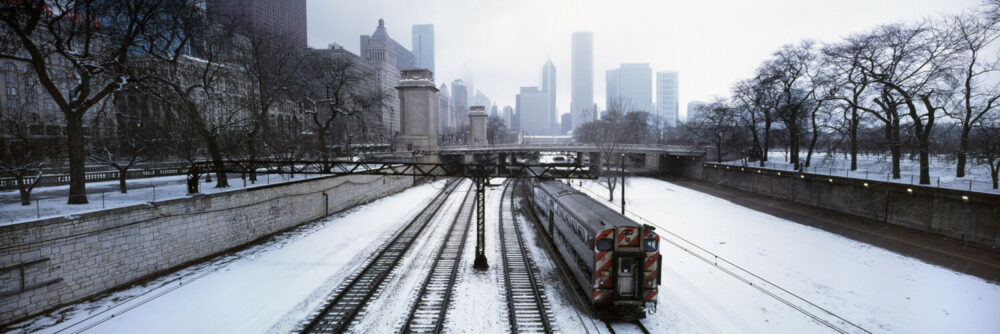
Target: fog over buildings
[{"x": 686, "y": 38}]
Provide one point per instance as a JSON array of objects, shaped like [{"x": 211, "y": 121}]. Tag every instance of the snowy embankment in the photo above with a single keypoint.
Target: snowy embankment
[
  {"x": 879, "y": 168},
  {"x": 876, "y": 289},
  {"x": 48, "y": 202},
  {"x": 269, "y": 287}
]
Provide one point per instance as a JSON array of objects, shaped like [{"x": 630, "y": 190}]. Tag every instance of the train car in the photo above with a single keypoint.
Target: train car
[{"x": 614, "y": 260}]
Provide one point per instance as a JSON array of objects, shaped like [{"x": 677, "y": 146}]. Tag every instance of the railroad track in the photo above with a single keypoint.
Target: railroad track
[
  {"x": 627, "y": 325},
  {"x": 527, "y": 307},
  {"x": 427, "y": 315},
  {"x": 339, "y": 311}
]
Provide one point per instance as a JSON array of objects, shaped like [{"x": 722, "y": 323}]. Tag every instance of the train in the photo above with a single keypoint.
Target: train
[{"x": 614, "y": 260}]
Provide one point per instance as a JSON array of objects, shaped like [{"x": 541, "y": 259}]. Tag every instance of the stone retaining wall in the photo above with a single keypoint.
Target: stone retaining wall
[
  {"x": 52, "y": 262},
  {"x": 967, "y": 216}
]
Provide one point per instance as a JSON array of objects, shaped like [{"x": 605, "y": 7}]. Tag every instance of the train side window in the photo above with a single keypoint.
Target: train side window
[
  {"x": 604, "y": 244},
  {"x": 649, "y": 245}
]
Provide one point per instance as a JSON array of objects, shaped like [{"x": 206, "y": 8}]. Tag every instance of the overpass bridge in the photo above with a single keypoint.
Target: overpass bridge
[{"x": 672, "y": 150}]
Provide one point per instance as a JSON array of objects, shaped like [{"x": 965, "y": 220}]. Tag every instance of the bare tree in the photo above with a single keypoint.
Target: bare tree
[
  {"x": 714, "y": 124},
  {"x": 608, "y": 135},
  {"x": 788, "y": 72},
  {"x": 345, "y": 94},
  {"x": 986, "y": 144},
  {"x": 79, "y": 50},
  {"x": 121, "y": 141},
  {"x": 844, "y": 62},
  {"x": 977, "y": 95},
  {"x": 21, "y": 157}
]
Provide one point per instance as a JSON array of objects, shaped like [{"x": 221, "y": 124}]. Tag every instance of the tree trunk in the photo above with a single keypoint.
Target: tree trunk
[
  {"x": 767, "y": 142},
  {"x": 855, "y": 120},
  {"x": 121, "y": 180},
  {"x": 812, "y": 146},
  {"x": 25, "y": 194},
  {"x": 925, "y": 171},
  {"x": 963, "y": 151},
  {"x": 895, "y": 147},
  {"x": 77, "y": 173},
  {"x": 793, "y": 147},
  {"x": 213, "y": 149}
]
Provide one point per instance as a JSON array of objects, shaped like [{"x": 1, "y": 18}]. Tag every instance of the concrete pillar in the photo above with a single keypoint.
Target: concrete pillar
[
  {"x": 418, "y": 114},
  {"x": 477, "y": 126}
]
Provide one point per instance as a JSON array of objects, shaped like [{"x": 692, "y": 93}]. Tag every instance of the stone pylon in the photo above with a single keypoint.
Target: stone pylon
[
  {"x": 477, "y": 126},
  {"x": 418, "y": 111}
]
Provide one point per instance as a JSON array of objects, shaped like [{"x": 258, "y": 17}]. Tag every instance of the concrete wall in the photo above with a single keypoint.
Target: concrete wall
[
  {"x": 52, "y": 262},
  {"x": 968, "y": 216}
]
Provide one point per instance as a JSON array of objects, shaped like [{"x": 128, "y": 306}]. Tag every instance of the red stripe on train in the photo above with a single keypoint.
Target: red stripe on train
[{"x": 651, "y": 295}]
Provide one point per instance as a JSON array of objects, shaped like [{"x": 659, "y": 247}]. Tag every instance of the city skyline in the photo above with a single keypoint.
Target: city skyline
[{"x": 712, "y": 58}]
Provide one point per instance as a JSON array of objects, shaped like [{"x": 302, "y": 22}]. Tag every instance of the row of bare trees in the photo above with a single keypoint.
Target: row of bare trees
[
  {"x": 148, "y": 79},
  {"x": 904, "y": 80}
]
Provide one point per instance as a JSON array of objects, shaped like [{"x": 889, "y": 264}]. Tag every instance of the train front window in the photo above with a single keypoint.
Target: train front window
[
  {"x": 604, "y": 244},
  {"x": 649, "y": 245}
]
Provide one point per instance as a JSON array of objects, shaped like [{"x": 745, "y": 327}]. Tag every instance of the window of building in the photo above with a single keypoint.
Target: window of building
[
  {"x": 12, "y": 103},
  {"x": 12, "y": 91}
]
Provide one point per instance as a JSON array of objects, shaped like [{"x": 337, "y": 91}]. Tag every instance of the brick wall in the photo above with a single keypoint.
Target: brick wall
[{"x": 52, "y": 262}]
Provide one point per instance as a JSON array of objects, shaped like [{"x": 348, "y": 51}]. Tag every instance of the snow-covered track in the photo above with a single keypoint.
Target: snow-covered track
[
  {"x": 343, "y": 307},
  {"x": 628, "y": 327},
  {"x": 427, "y": 315},
  {"x": 527, "y": 307}
]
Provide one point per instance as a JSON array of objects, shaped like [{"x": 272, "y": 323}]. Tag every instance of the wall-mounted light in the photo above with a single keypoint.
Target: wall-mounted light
[
  {"x": 831, "y": 180},
  {"x": 758, "y": 171},
  {"x": 909, "y": 191},
  {"x": 779, "y": 173},
  {"x": 965, "y": 199},
  {"x": 802, "y": 176},
  {"x": 741, "y": 169},
  {"x": 727, "y": 167},
  {"x": 866, "y": 184}
]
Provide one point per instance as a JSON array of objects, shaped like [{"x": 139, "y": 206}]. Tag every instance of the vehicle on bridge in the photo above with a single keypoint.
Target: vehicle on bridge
[{"x": 615, "y": 261}]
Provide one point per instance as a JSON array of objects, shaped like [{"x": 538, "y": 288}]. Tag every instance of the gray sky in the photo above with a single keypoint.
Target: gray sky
[{"x": 712, "y": 43}]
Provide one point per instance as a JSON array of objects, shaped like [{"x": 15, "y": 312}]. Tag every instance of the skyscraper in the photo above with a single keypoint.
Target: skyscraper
[
  {"x": 532, "y": 109},
  {"x": 380, "y": 50},
  {"x": 423, "y": 45},
  {"x": 459, "y": 104},
  {"x": 282, "y": 19},
  {"x": 667, "y": 100},
  {"x": 508, "y": 112},
  {"x": 549, "y": 88},
  {"x": 582, "y": 78},
  {"x": 631, "y": 84},
  {"x": 444, "y": 110}
]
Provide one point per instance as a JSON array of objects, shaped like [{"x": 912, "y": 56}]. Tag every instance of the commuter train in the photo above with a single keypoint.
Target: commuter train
[{"x": 613, "y": 259}]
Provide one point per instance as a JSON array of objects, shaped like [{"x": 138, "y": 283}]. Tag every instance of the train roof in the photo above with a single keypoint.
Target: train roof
[{"x": 585, "y": 209}]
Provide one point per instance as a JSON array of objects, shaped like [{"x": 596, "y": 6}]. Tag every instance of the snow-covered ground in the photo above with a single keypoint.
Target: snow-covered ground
[
  {"x": 879, "y": 167},
  {"x": 267, "y": 288},
  {"x": 47, "y": 202},
  {"x": 274, "y": 286},
  {"x": 879, "y": 290}
]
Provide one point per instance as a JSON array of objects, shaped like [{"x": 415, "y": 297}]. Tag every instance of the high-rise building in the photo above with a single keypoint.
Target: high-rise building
[
  {"x": 444, "y": 110},
  {"x": 582, "y": 69},
  {"x": 423, "y": 46},
  {"x": 630, "y": 84},
  {"x": 282, "y": 19},
  {"x": 567, "y": 121},
  {"x": 532, "y": 109},
  {"x": 480, "y": 99},
  {"x": 380, "y": 50},
  {"x": 494, "y": 112},
  {"x": 459, "y": 104},
  {"x": 508, "y": 113},
  {"x": 405, "y": 59},
  {"x": 667, "y": 99},
  {"x": 549, "y": 87}
]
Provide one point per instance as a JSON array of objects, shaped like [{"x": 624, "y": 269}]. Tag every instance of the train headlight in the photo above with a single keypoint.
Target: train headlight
[
  {"x": 605, "y": 274},
  {"x": 646, "y": 274}
]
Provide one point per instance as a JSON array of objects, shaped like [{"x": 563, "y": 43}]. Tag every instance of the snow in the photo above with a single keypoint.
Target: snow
[
  {"x": 877, "y": 289},
  {"x": 267, "y": 288},
  {"x": 879, "y": 168},
  {"x": 48, "y": 202},
  {"x": 272, "y": 287}
]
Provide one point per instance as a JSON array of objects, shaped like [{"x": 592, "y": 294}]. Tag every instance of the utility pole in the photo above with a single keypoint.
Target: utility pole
[{"x": 623, "y": 184}]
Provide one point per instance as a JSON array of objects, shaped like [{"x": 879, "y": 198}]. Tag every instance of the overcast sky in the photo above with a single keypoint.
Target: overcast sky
[{"x": 712, "y": 43}]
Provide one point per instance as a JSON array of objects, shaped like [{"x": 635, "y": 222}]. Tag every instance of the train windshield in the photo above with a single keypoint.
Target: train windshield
[
  {"x": 649, "y": 245},
  {"x": 604, "y": 244}
]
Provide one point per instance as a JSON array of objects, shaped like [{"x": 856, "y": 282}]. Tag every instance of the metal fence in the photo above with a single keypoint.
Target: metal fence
[{"x": 10, "y": 183}]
